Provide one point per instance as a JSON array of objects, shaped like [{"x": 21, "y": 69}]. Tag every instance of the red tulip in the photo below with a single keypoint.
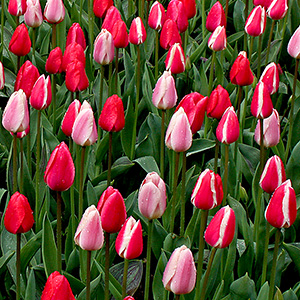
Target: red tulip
[
  {"x": 215, "y": 17},
  {"x": 157, "y": 16},
  {"x": 76, "y": 79},
  {"x": 104, "y": 49},
  {"x": 17, "y": 7},
  {"x": 54, "y": 12},
  {"x": 75, "y": 34},
  {"x": 120, "y": 34},
  {"x": 218, "y": 40},
  {"x": 293, "y": 45},
  {"x": 41, "y": 94},
  {"x": 20, "y": 42},
  {"x": 277, "y": 9},
  {"x": 54, "y": 61},
  {"x": 70, "y": 116},
  {"x": 2, "y": 76},
  {"x": 73, "y": 51},
  {"x": 263, "y": 3},
  {"x": 100, "y": 7},
  {"x": 33, "y": 16},
  {"x": 175, "y": 60},
  {"x": 176, "y": 11},
  {"x": 23, "y": 133},
  {"x": 137, "y": 32},
  {"x": 190, "y": 8},
  {"x": 256, "y": 22},
  {"x": 270, "y": 77},
  {"x": 112, "y": 16},
  {"x": 169, "y": 34}
]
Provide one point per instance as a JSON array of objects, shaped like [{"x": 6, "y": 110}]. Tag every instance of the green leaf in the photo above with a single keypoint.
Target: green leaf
[
  {"x": 294, "y": 253},
  {"x": 290, "y": 295},
  {"x": 200, "y": 49},
  {"x": 243, "y": 289},
  {"x": 200, "y": 145},
  {"x": 263, "y": 292},
  {"x": 157, "y": 285},
  {"x": 278, "y": 295},
  {"x": 102, "y": 148},
  {"x": 239, "y": 15},
  {"x": 219, "y": 291},
  {"x": 293, "y": 168},
  {"x": 148, "y": 163},
  {"x": 158, "y": 236},
  {"x": 31, "y": 287},
  {"x": 6, "y": 257}
]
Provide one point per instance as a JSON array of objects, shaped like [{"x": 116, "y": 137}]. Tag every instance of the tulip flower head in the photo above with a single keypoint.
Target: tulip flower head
[
  {"x": 70, "y": 116},
  {"x": 2, "y": 76},
  {"x": 157, "y": 16},
  {"x": 17, "y": 7},
  {"x": 73, "y": 52},
  {"x": 175, "y": 60},
  {"x": 169, "y": 35},
  {"x": 104, "y": 49},
  {"x": 54, "y": 61},
  {"x": 218, "y": 40},
  {"x": 75, "y": 34},
  {"x": 20, "y": 42},
  {"x": 112, "y": 16},
  {"x": 21, "y": 134},
  {"x": 263, "y": 3},
  {"x": 190, "y": 8},
  {"x": 54, "y": 12},
  {"x": 76, "y": 78},
  {"x": 100, "y": 7},
  {"x": 33, "y": 16},
  {"x": 215, "y": 17},
  {"x": 120, "y": 34},
  {"x": 293, "y": 47},
  {"x": 137, "y": 32},
  {"x": 277, "y": 9},
  {"x": 41, "y": 94},
  {"x": 176, "y": 12},
  {"x": 256, "y": 21},
  {"x": 270, "y": 77}
]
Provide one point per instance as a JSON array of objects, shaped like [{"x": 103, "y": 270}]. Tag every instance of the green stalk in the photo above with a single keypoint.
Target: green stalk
[
  {"x": 282, "y": 37},
  {"x": 29, "y": 153},
  {"x": 148, "y": 261},
  {"x": 109, "y": 159},
  {"x": 240, "y": 94},
  {"x": 174, "y": 196},
  {"x": 81, "y": 183},
  {"x": 33, "y": 41},
  {"x": 58, "y": 233},
  {"x": 250, "y": 48},
  {"x": 242, "y": 123},
  {"x": 142, "y": 14},
  {"x": 177, "y": 297},
  {"x": 91, "y": 24},
  {"x": 124, "y": 285},
  {"x": 72, "y": 198},
  {"x": 2, "y": 29},
  {"x": 80, "y": 14},
  {"x": 269, "y": 41},
  {"x": 37, "y": 172},
  {"x": 18, "y": 266},
  {"x": 265, "y": 259},
  {"x": 130, "y": 8},
  {"x": 88, "y": 275},
  {"x": 156, "y": 54},
  {"x": 101, "y": 88},
  {"x": 109, "y": 79},
  {"x": 182, "y": 215},
  {"x": 225, "y": 181},
  {"x": 117, "y": 71},
  {"x": 216, "y": 156},
  {"x": 106, "y": 291},
  {"x": 259, "y": 55},
  {"x": 162, "y": 144},
  {"x": 211, "y": 74},
  {"x": 53, "y": 82},
  {"x": 15, "y": 183},
  {"x": 226, "y": 9},
  {"x": 21, "y": 167},
  {"x": 245, "y": 16},
  {"x": 203, "y": 21}
]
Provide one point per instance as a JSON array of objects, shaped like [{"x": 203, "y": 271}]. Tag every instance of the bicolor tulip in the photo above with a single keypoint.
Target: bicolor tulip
[
  {"x": 175, "y": 60},
  {"x": 157, "y": 16},
  {"x": 104, "y": 49},
  {"x": 60, "y": 170},
  {"x": 100, "y": 7},
  {"x": 2, "y": 76},
  {"x": 73, "y": 52},
  {"x": 33, "y": 16},
  {"x": 293, "y": 47},
  {"x": 256, "y": 22},
  {"x": 54, "y": 11},
  {"x": 270, "y": 77},
  {"x": 277, "y": 9},
  {"x": 120, "y": 34},
  {"x": 18, "y": 217},
  {"x": 190, "y": 8},
  {"x": 112, "y": 16},
  {"x": 17, "y": 7},
  {"x": 137, "y": 32},
  {"x": 263, "y": 3},
  {"x": 70, "y": 116},
  {"x": 218, "y": 40},
  {"x": 20, "y": 42},
  {"x": 112, "y": 210},
  {"x": 54, "y": 61},
  {"x": 75, "y": 34},
  {"x": 176, "y": 11},
  {"x": 180, "y": 273},
  {"x": 215, "y": 17},
  {"x": 281, "y": 211},
  {"x": 129, "y": 242},
  {"x": 169, "y": 34},
  {"x": 76, "y": 78},
  {"x": 220, "y": 231},
  {"x": 41, "y": 94},
  {"x": 21, "y": 134}
]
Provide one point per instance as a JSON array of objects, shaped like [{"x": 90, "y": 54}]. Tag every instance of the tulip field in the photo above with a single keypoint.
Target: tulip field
[{"x": 149, "y": 149}]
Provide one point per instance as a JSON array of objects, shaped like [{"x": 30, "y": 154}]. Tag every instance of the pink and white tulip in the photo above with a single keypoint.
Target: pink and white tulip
[
  {"x": 104, "y": 49},
  {"x": 33, "y": 16}
]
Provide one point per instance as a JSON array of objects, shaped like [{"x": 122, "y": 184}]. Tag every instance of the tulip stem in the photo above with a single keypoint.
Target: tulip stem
[
  {"x": 117, "y": 71},
  {"x": 174, "y": 196},
  {"x": 81, "y": 183},
  {"x": 109, "y": 159},
  {"x": 37, "y": 171},
  {"x": 72, "y": 200},
  {"x": 21, "y": 167},
  {"x": 156, "y": 54},
  {"x": 225, "y": 180},
  {"x": 88, "y": 275},
  {"x": 177, "y": 297},
  {"x": 148, "y": 261},
  {"x": 239, "y": 100},
  {"x": 259, "y": 55},
  {"x": 250, "y": 49},
  {"x": 58, "y": 232},
  {"x": 101, "y": 89},
  {"x": 33, "y": 41},
  {"x": 15, "y": 184},
  {"x": 203, "y": 21},
  {"x": 109, "y": 79},
  {"x": 182, "y": 216},
  {"x": 106, "y": 292},
  {"x": 2, "y": 29},
  {"x": 125, "y": 272},
  {"x": 91, "y": 24},
  {"x": 211, "y": 73},
  {"x": 282, "y": 37},
  {"x": 29, "y": 153},
  {"x": 53, "y": 87},
  {"x": 162, "y": 144},
  {"x": 273, "y": 270},
  {"x": 265, "y": 259},
  {"x": 269, "y": 41},
  {"x": 217, "y": 148},
  {"x": 18, "y": 265}
]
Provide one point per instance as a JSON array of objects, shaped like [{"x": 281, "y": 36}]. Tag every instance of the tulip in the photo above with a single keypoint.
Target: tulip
[
  {"x": 57, "y": 287},
  {"x": 263, "y": 3},
  {"x": 208, "y": 191},
  {"x": 54, "y": 11},
  {"x": 18, "y": 216},
  {"x": 112, "y": 16},
  {"x": 137, "y": 32},
  {"x": 256, "y": 22},
  {"x": 179, "y": 134},
  {"x": 129, "y": 242},
  {"x": 100, "y": 7},
  {"x": 2, "y": 76},
  {"x": 271, "y": 130},
  {"x": 194, "y": 105},
  {"x": 215, "y": 17},
  {"x": 84, "y": 132},
  {"x": 73, "y": 51},
  {"x": 270, "y": 77},
  {"x": 220, "y": 231},
  {"x": 281, "y": 211},
  {"x": 75, "y": 34},
  {"x": 176, "y": 12},
  {"x": 33, "y": 16},
  {"x": 70, "y": 116},
  {"x": 157, "y": 16},
  {"x": 60, "y": 170},
  {"x": 104, "y": 49},
  {"x": 17, "y": 7},
  {"x": 261, "y": 105},
  {"x": 54, "y": 61},
  {"x": 175, "y": 60},
  {"x": 180, "y": 273},
  {"x": 128, "y": 298},
  {"x": 218, "y": 40},
  {"x": 169, "y": 34},
  {"x": 76, "y": 79},
  {"x": 112, "y": 210},
  {"x": 16, "y": 116},
  {"x": 89, "y": 234},
  {"x": 20, "y": 42},
  {"x": 273, "y": 174},
  {"x": 277, "y": 9},
  {"x": 164, "y": 94},
  {"x": 240, "y": 72},
  {"x": 293, "y": 47},
  {"x": 21, "y": 134},
  {"x": 228, "y": 129},
  {"x": 190, "y": 8},
  {"x": 119, "y": 34},
  {"x": 41, "y": 94}
]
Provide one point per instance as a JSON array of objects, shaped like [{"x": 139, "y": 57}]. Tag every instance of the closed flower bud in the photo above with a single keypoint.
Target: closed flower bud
[
  {"x": 75, "y": 34},
  {"x": 54, "y": 11},
  {"x": 128, "y": 298},
  {"x": 164, "y": 94},
  {"x": 70, "y": 116},
  {"x": 176, "y": 12},
  {"x": 73, "y": 51},
  {"x": 218, "y": 40},
  {"x": 273, "y": 174},
  {"x": 169, "y": 34},
  {"x": 218, "y": 102},
  {"x": 281, "y": 211},
  {"x": 2, "y": 76},
  {"x": 180, "y": 273},
  {"x": 271, "y": 130},
  {"x": 23, "y": 133},
  {"x": 89, "y": 234},
  {"x": 129, "y": 242},
  {"x": 16, "y": 116},
  {"x": 293, "y": 47},
  {"x": 112, "y": 116},
  {"x": 240, "y": 72},
  {"x": 261, "y": 105},
  {"x": 152, "y": 196},
  {"x": 256, "y": 22},
  {"x": 41, "y": 94},
  {"x": 104, "y": 49},
  {"x": 270, "y": 77},
  {"x": 220, "y": 231},
  {"x": 100, "y": 7},
  {"x": 175, "y": 60},
  {"x": 76, "y": 78},
  {"x": 120, "y": 34},
  {"x": 208, "y": 191},
  {"x": 54, "y": 61},
  {"x": 263, "y": 3},
  {"x": 112, "y": 210},
  {"x": 33, "y": 16},
  {"x": 112, "y": 16},
  {"x": 60, "y": 170},
  {"x": 20, "y": 42},
  {"x": 84, "y": 132},
  {"x": 179, "y": 134},
  {"x": 137, "y": 32},
  {"x": 190, "y": 8},
  {"x": 18, "y": 216},
  {"x": 157, "y": 16},
  {"x": 57, "y": 287},
  {"x": 215, "y": 17},
  {"x": 194, "y": 105},
  {"x": 228, "y": 129},
  {"x": 277, "y": 9},
  {"x": 17, "y": 7}
]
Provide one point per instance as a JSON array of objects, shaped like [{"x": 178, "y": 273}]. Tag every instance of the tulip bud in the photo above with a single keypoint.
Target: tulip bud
[
  {"x": 21, "y": 134},
  {"x": 261, "y": 105},
  {"x": 33, "y": 16},
  {"x": 270, "y": 77},
  {"x": 112, "y": 16},
  {"x": 281, "y": 211},
  {"x": 277, "y": 9},
  {"x": 112, "y": 210},
  {"x": 293, "y": 45},
  {"x": 70, "y": 116},
  {"x": 104, "y": 49},
  {"x": 54, "y": 11},
  {"x": 20, "y": 42},
  {"x": 18, "y": 216},
  {"x": 60, "y": 170},
  {"x": 100, "y": 7},
  {"x": 129, "y": 242},
  {"x": 16, "y": 116},
  {"x": 273, "y": 174},
  {"x": 57, "y": 287},
  {"x": 157, "y": 16},
  {"x": 190, "y": 8},
  {"x": 112, "y": 116},
  {"x": 179, "y": 134},
  {"x": 220, "y": 231},
  {"x": 208, "y": 191},
  {"x": 256, "y": 22},
  {"x": 2, "y": 76},
  {"x": 76, "y": 79},
  {"x": 218, "y": 40},
  {"x": 84, "y": 132},
  {"x": 75, "y": 34},
  {"x": 164, "y": 94},
  {"x": 17, "y": 7},
  {"x": 263, "y": 3},
  {"x": 194, "y": 106},
  {"x": 176, "y": 12},
  {"x": 54, "y": 61},
  {"x": 180, "y": 273},
  {"x": 137, "y": 32},
  {"x": 73, "y": 51},
  {"x": 128, "y": 298},
  {"x": 119, "y": 34},
  {"x": 240, "y": 72},
  {"x": 89, "y": 234},
  {"x": 175, "y": 60},
  {"x": 169, "y": 34},
  {"x": 215, "y": 17},
  {"x": 271, "y": 130},
  {"x": 41, "y": 94}
]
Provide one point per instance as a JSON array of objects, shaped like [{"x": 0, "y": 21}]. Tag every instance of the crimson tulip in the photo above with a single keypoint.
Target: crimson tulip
[
  {"x": 218, "y": 40},
  {"x": 76, "y": 78},
  {"x": 112, "y": 16},
  {"x": 137, "y": 32},
  {"x": 41, "y": 94},
  {"x": 190, "y": 8},
  {"x": 20, "y": 42},
  {"x": 157, "y": 16},
  {"x": 70, "y": 116},
  {"x": 256, "y": 22},
  {"x": 75, "y": 34},
  {"x": 73, "y": 51},
  {"x": 120, "y": 34},
  {"x": 169, "y": 34},
  {"x": 54, "y": 61},
  {"x": 277, "y": 9},
  {"x": 270, "y": 77},
  {"x": 215, "y": 17},
  {"x": 17, "y": 7},
  {"x": 100, "y": 7},
  {"x": 176, "y": 11},
  {"x": 175, "y": 60}
]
